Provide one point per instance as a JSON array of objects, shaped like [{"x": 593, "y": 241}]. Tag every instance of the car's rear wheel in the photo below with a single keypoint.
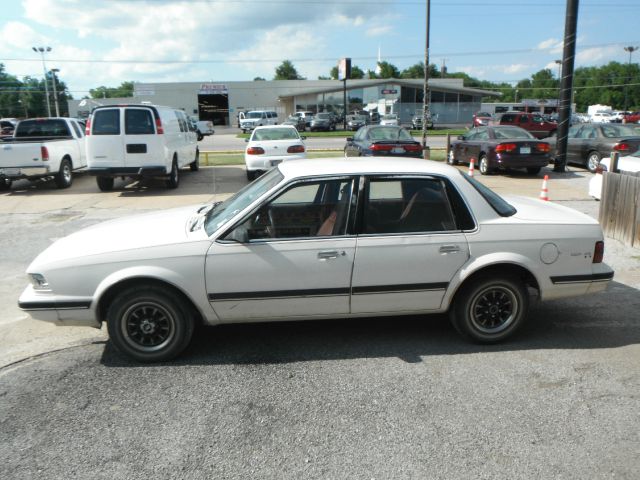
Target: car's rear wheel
[
  {"x": 195, "y": 165},
  {"x": 5, "y": 184},
  {"x": 251, "y": 175},
  {"x": 533, "y": 170},
  {"x": 105, "y": 184},
  {"x": 174, "y": 176},
  {"x": 64, "y": 177},
  {"x": 150, "y": 323},
  {"x": 483, "y": 165},
  {"x": 490, "y": 308},
  {"x": 593, "y": 160}
]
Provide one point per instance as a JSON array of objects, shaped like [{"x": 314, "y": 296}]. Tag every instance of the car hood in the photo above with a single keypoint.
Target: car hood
[
  {"x": 539, "y": 211},
  {"x": 128, "y": 233}
]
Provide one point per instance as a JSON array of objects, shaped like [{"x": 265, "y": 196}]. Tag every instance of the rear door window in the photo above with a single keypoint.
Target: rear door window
[
  {"x": 138, "y": 121},
  {"x": 106, "y": 122}
]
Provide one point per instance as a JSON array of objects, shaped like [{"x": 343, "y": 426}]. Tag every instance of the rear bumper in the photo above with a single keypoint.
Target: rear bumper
[
  {"x": 563, "y": 286},
  {"x": 25, "y": 172},
  {"x": 506, "y": 160},
  {"x": 265, "y": 162},
  {"x": 138, "y": 172}
]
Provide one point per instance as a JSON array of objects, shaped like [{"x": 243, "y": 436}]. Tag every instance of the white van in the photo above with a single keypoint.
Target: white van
[
  {"x": 257, "y": 118},
  {"x": 139, "y": 141}
]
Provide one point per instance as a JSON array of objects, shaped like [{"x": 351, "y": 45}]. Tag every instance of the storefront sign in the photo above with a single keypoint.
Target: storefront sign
[
  {"x": 144, "y": 92},
  {"x": 387, "y": 91},
  {"x": 213, "y": 89}
]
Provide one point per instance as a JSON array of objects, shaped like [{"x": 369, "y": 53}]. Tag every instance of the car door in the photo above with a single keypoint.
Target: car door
[
  {"x": 290, "y": 257},
  {"x": 586, "y": 140},
  {"x": 461, "y": 147},
  {"x": 473, "y": 144},
  {"x": 573, "y": 144},
  {"x": 409, "y": 246},
  {"x": 141, "y": 147}
]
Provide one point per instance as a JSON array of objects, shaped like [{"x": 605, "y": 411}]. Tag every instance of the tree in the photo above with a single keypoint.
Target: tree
[
  {"x": 286, "y": 71},
  {"x": 258, "y": 79},
  {"x": 387, "y": 70},
  {"x": 417, "y": 71},
  {"x": 356, "y": 73},
  {"x": 124, "y": 90}
]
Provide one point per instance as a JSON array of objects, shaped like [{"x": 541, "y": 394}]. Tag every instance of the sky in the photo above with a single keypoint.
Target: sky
[{"x": 107, "y": 42}]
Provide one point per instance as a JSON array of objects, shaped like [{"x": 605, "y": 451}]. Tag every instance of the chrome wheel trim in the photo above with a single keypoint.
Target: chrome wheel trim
[
  {"x": 148, "y": 326},
  {"x": 493, "y": 309},
  {"x": 66, "y": 173},
  {"x": 592, "y": 161},
  {"x": 484, "y": 165}
]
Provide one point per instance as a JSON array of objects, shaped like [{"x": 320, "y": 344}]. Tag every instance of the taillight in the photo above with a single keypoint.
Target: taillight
[
  {"x": 295, "y": 149},
  {"x": 598, "y": 252},
  {"x": 622, "y": 147},
  {"x": 412, "y": 148},
  {"x": 506, "y": 147},
  {"x": 44, "y": 153},
  {"x": 87, "y": 128},
  {"x": 377, "y": 147},
  {"x": 159, "y": 129},
  {"x": 255, "y": 151},
  {"x": 543, "y": 147}
]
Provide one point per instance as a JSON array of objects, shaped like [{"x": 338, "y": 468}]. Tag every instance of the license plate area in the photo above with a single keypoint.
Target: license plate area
[
  {"x": 10, "y": 172},
  {"x": 273, "y": 163},
  {"x": 397, "y": 150},
  {"x": 525, "y": 150}
]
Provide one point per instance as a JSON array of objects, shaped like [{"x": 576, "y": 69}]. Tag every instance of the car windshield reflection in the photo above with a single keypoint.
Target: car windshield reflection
[{"x": 226, "y": 210}]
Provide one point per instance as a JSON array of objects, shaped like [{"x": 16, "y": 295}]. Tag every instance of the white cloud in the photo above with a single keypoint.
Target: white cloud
[
  {"x": 549, "y": 44},
  {"x": 598, "y": 55},
  {"x": 514, "y": 68}
]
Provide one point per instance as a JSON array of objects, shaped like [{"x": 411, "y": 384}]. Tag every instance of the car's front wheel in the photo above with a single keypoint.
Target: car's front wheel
[
  {"x": 149, "y": 323},
  {"x": 489, "y": 309},
  {"x": 451, "y": 159}
]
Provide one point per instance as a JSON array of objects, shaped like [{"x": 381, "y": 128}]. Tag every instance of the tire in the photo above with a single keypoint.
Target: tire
[
  {"x": 5, "y": 184},
  {"x": 593, "y": 159},
  {"x": 174, "y": 176},
  {"x": 64, "y": 177},
  {"x": 200, "y": 136},
  {"x": 533, "y": 170},
  {"x": 105, "y": 184},
  {"x": 195, "y": 165},
  {"x": 251, "y": 175},
  {"x": 483, "y": 165},
  {"x": 490, "y": 309},
  {"x": 149, "y": 323},
  {"x": 450, "y": 158}
]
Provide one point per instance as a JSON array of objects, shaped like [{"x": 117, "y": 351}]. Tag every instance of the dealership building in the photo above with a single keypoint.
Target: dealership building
[{"x": 221, "y": 102}]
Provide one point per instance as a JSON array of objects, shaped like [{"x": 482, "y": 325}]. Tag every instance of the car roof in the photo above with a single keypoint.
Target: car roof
[
  {"x": 272, "y": 127},
  {"x": 364, "y": 165}
]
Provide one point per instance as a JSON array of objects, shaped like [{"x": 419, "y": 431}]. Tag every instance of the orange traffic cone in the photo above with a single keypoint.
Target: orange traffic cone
[
  {"x": 544, "y": 193},
  {"x": 471, "y": 165}
]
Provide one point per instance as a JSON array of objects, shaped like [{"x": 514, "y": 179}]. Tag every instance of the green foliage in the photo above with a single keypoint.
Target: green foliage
[
  {"x": 387, "y": 70},
  {"x": 124, "y": 90},
  {"x": 258, "y": 79},
  {"x": 356, "y": 73},
  {"x": 286, "y": 71},
  {"x": 417, "y": 71}
]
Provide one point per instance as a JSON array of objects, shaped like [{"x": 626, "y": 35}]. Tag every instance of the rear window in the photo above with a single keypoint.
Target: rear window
[
  {"x": 42, "y": 128},
  {"x": 501, "y": 207},
  {"x": 507, "y": 117},
  {"x": 106, "y": 122},
  {"x": 138, "y": 121}
]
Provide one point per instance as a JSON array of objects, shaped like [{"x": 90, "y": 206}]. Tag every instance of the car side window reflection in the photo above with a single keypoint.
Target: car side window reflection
[
  {"x": 407, "y": 206},
  {"x": 305, "y": 210}
]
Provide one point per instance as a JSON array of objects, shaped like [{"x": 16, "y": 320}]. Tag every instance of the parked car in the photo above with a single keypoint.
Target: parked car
[
  {"x": 270, "y": 146},
  {"x": 6, "y": 128},
  {"x": 416, "y": 121},
  {"x": 531, "y": 122},
  {"x": 206, "y": 127},
  {"x": 632, "y": 118},
  {"x": 618, "y": 116},
  {"x": 194, "y": 126},
  {"x": 382, "y": 140},
  {"x": 428, "y": 239},
  {"x": 257, "y": 118},
  {"x": 323, "y": 121},
  {"x": 587, "y": 143},
  {"x": 601, "y": 117},
  {"x": 481, "y": 119},
  {"x": 500, "y": 148},
  {"x": 628, "y": 163},
  {"x": 43, "y": 148},
  {"x": 306, "y": 116},
  {"x": 354, "y": 122},
  {"x": 297, "y": 122},
  {"x": 390, "y": 119},
  {"x": 139, "y": 141}
]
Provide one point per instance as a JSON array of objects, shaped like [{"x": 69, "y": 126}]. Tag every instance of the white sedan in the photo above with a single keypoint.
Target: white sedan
[
  {"x": 628, "y": 163},
  {"x": 270, "y": 145},
  {"x": 390, "y": 119},
  {"x": 329, "y": 238}
]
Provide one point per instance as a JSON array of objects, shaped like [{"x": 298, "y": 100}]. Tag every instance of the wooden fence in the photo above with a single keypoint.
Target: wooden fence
[{"x": 620, "y": 207}]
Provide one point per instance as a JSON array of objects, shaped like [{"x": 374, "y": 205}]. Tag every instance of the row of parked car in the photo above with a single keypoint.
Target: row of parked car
[{"x": 129, "y": 141}]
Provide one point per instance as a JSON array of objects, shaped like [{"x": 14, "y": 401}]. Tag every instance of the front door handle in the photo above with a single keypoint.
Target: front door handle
[
  {"x": 449, "y": 249},
  {"x": 327, "y": 254}
]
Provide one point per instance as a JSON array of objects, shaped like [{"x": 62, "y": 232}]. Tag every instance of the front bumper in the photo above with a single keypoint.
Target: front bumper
[
  {"x": 66, "y": 311},
  {"x": 136, "y": 172},
  {"x": 266, "y": 162}
]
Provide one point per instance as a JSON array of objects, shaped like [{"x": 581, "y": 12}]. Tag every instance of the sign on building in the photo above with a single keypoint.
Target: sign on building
[{"x": 213, "y": 89}]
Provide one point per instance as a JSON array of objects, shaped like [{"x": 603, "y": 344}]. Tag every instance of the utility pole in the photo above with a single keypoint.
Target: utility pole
[
  {"x": 559, "y": 63},
  {"x": 42, "y": 50},
  {"x": 626, "y": 87},
  {"x": 566, "y": 85},
  {"x": 425, "y": 96},
  {"x": 55, "y": 93}
]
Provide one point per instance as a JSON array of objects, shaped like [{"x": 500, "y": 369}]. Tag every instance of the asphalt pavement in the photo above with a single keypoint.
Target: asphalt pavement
[{"x": 383, "y": 398}]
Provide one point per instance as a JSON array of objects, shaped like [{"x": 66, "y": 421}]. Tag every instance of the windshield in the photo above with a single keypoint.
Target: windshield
[
  {"x": 392, "y": 134},
  {"x": 325, "y": 116},
  {"x": 254, "y": 115},
  {"x": 511, "y": 132},
  {"x": 501, "y": 206},
  {"x": 225, "y": 211},
  {"x": 390, "y": 117},
  {"x": 613, "y": 131},
  {"x": 274, "y": 134}
]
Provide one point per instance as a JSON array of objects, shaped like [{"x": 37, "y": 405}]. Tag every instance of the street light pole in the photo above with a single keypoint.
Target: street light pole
[
  {"x": 629, "y": 49},
  {"x": 44, "y": 67},
  {"x": 55, "y": 93}
]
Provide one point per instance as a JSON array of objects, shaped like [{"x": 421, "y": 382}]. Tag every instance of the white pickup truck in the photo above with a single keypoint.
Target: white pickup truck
[{"x": 43, "y": 148}]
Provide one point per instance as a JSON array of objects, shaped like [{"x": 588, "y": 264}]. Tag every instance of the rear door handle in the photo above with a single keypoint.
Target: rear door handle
[
  {"x": 327, "y": 254},
  {"x": 449, "y": 249}
]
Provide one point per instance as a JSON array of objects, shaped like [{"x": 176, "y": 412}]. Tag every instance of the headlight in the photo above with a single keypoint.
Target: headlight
[{"x": 38, "y": 281}]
